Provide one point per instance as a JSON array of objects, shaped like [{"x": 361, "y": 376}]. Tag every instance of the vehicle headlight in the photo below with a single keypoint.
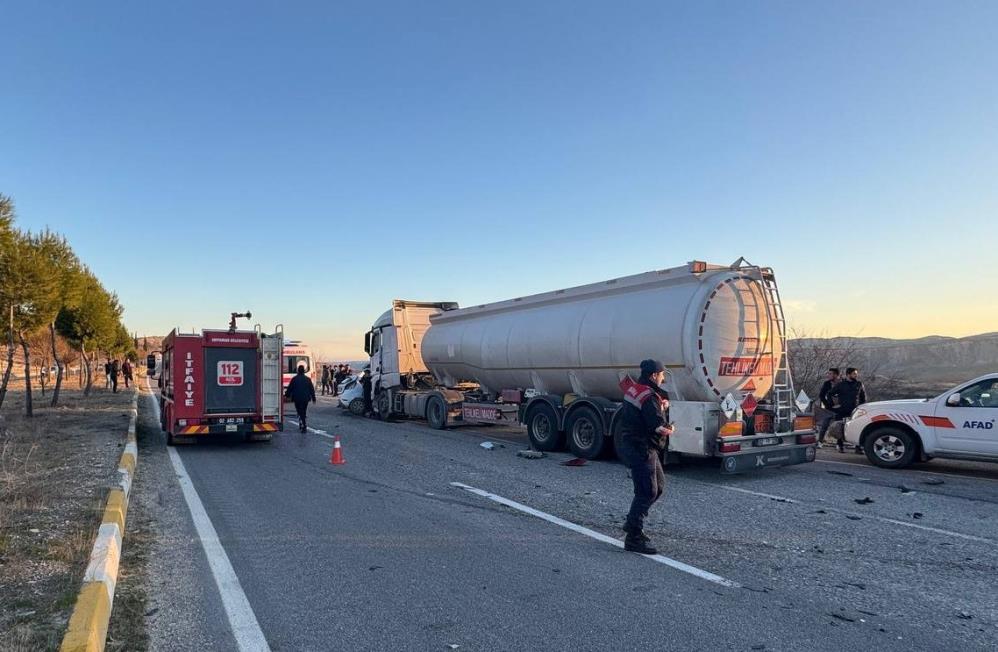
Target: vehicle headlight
[{"x": 857, "y": 413}]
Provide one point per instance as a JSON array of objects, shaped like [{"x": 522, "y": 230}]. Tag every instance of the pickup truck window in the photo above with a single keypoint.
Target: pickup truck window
[{"x": 982, "y": 394}]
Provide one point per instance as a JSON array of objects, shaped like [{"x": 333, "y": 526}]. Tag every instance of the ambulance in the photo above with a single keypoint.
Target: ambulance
[
  {"x": 297, "y": 354},
  {"x": 958, "y": 424}
]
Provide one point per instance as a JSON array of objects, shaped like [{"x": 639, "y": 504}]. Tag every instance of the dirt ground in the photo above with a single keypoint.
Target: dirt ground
[{"x": 55, "y": 470}]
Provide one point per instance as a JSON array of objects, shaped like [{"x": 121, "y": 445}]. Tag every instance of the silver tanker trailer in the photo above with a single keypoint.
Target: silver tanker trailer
[{"x": 554, "y": 363}]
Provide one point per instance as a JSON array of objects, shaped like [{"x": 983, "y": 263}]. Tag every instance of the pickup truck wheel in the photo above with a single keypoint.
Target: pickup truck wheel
[
  {"x": 436, "y": 413},
  {"x": 584, "y": 431},
  {"x": 542, "y": 428},
  {"x": 356, "y": 407},
  {"x": 890, "y": 447}
]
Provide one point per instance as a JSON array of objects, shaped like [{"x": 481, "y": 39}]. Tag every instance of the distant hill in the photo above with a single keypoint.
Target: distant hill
[{"x": 931, "y": 363}]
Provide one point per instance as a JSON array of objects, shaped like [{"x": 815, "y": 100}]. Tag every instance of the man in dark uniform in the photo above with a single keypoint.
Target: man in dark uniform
[
  {"x": 826, "y": 404},
  {"x": 849, "y": 394},
  {"x": 645, "y": 431},
  {"x": 365, "y": 383},
  {"x": 301, "y": 391}
]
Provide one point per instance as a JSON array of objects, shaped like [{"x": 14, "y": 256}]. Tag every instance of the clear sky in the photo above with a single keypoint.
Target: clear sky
[{"x": 313, "y": 161}]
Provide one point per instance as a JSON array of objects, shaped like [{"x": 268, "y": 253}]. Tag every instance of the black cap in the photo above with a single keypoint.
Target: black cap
[{"x": 649, "y": 367}]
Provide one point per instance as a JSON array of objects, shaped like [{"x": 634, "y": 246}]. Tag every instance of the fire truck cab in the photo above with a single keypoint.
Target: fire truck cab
[{"x": 221, "y": 382}]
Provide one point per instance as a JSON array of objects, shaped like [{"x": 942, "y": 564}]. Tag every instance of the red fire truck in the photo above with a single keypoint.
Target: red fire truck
[{"x": 221, "y": 381}]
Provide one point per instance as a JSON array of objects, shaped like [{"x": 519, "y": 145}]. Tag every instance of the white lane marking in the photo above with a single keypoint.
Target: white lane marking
[
  {"x": 946, "y": 475},
  {"x": 242, "y": 621},
  {"x": 883, "y": 519},
  {"x": 662, "y": 559},
  {"x": 312, "y": 430}
]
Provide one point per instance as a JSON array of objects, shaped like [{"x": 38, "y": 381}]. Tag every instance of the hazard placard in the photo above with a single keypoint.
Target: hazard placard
[
  {"x": 749, "y": 386},
  {"x": 230, "y": 373}
]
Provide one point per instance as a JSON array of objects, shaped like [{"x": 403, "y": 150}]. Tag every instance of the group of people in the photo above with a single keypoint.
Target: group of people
[
  {"x": 837, "y": 399},
  {"x": 332, "y": 376},
  {"x": 113, "y": 369}
]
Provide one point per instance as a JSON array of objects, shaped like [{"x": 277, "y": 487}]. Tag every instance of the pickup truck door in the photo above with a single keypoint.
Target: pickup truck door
[{"x": 972, "y": 426}]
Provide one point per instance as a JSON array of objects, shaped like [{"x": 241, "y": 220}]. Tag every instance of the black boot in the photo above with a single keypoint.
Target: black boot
[
  {"x": 636, "y": 533},
  {"x": 633, "y": 543}
]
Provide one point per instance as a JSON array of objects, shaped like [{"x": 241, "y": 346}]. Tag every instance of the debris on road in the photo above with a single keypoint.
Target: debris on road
[
  {"x": 487, "y": 445},
  {"x": 863, "y": 501},
  {"x": 917, "y": 515},
  {"x": 840, "y": 473},
  {"x": 933, "y": 481},
  {"x": 963, "y": 615},
  {"x": 530, "y": 455},
  {"x": 904, "y": 489},
  {"x": 843, "y": 617},
  {"x": 851, "y": 517},
  {"x": 575, "y": 461}
]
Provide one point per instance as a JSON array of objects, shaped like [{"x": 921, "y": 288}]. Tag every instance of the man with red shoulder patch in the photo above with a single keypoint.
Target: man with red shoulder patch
[{"x": 645, "y": 431}]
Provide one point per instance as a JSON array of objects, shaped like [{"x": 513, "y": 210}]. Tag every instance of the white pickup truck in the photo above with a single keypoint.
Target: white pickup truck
[{"x": 957, "y": 424}]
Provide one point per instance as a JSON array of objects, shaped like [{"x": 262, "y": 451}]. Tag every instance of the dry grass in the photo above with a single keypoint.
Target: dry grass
[{"x": 55, "y": 470}]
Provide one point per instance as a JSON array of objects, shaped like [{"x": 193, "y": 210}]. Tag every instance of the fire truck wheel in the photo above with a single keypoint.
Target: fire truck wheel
[
  {"x": 357, "y": 407},
  {"x": 890, "y": 447},
  {"x": 383, "y": 404},
  {"x": 542, "y": 428},
  {"x": 436, "y": 413},
  {"x": 584, "y": 430}
]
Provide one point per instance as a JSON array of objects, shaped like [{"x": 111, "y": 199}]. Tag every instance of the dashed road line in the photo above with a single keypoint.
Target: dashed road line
[{"x": 662, "y": 559}]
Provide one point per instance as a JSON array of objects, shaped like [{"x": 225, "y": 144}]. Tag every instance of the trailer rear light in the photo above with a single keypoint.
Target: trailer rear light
[
  {"x": 729, "y": 447},
  {"x": 804, "y": 422},
  {"x": 807, "y": 439},
  {"x": 732, "y": 429}
]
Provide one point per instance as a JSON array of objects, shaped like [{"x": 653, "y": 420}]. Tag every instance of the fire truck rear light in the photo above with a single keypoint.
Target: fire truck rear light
[
  {"x": 806, "y": 439},
  {"x": 729, "y": 447},
  {"x": 805, "y": 422},
  {"x": 732, "y": 429}
]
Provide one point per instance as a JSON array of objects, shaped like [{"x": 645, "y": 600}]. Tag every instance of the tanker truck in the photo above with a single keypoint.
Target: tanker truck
[{"x": 557, "y": 363}]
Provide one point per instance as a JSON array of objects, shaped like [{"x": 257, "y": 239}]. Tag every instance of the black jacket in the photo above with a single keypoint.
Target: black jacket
[
  {"x": 300, "y": 389},
  {"x": 823, "y": 394},
  {"x": 638, "y": 426},
  {"x": 851, "y": 394}
]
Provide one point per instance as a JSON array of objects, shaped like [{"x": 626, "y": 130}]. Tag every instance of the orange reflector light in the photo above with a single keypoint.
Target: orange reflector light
[
  {"x": 732, "y": 429},
  {"x": 804, "y": 423}
]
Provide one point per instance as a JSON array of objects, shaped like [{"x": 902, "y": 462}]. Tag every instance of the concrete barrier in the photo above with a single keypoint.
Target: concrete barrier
[{"x": 87, "y": 631}]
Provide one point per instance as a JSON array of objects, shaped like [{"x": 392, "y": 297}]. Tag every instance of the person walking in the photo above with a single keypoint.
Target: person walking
[
  {"x": 115, "y": 370},
  {"x": 645, "y": 431},
  {"x": 126, "y": 372},
  {"x": 301, "y": 391},
  {"x": 849, "y": 395},
  {"x": 107, "y": 373},
  {"x": 832, "y": 377},
  {"x": 325, "y": 379}
]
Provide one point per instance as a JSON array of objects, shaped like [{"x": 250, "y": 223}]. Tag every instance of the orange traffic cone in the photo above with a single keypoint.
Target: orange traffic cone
[{"x": 336, "y": 457}]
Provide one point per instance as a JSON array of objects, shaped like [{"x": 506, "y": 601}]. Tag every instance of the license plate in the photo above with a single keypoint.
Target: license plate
[
  {"x": 767, "y": 441},
  {"x": 231, "y": 427}
]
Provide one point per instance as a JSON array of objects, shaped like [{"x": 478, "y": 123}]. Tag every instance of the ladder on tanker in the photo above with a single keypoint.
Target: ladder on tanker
[
  {"x": 272, "y": 374},
  {"x": 783, "y": 382}
]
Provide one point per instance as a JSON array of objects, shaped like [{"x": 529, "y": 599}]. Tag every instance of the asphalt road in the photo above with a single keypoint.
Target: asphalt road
[{"x": 385, "y": 553}]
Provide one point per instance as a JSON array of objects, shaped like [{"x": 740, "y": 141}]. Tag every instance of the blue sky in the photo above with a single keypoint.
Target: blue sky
[{"x": 313, "y": 161}]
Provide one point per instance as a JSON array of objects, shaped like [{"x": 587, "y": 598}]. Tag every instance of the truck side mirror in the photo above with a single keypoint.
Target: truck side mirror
[
  {"x": 953, "y": 400},
  {"x": 367, "y": 342}
]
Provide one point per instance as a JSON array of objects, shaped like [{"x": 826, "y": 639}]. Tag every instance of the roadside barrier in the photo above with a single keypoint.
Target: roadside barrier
[{"x": 87, "y": 631}]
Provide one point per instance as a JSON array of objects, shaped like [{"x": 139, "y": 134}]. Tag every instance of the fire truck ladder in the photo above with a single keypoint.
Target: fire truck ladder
[
  {"x": 271, "y": 348},
  {"x": 783, "y": 382}
]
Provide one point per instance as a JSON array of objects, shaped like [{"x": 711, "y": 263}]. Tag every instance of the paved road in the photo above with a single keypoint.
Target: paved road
[{"x": 384, "y": 553}]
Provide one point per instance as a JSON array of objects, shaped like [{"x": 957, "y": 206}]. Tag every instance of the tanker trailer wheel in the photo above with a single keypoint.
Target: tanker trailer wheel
[
  {"x": 356, "y": 407},
  {"x": 542, "y": 428},
  {"x": 436, "y": 413},
  {"x": 585, "y": 433}
]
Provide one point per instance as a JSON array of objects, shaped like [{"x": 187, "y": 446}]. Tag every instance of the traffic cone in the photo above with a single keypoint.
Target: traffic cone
[{"x": 336, "y": 457}]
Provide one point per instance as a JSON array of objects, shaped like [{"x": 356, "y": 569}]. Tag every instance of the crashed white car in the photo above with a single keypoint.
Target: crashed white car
[
  {"x": 957, "y": 424},
  {"x": 351, "y": 394}
]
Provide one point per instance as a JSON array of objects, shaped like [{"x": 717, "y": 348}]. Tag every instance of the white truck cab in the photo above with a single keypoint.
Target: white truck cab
[{"x": 958, "y": 424}]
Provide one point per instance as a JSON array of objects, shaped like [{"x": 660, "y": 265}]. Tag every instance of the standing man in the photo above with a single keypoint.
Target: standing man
[
  {"x": 301, "y": 391},
  {"x": 338, "y": 377},
  {"x": 826, "y": 404},
  {"x": 325, "y": 379},
  {"x": 126, "y": 371},
  {"x": 115, "y": 370},
  {"x": 849, "y": 394},
  {"x": 107, "y": 373},
  {"x": 645, "y": 431},
  {"x": 365, "y": 383}
]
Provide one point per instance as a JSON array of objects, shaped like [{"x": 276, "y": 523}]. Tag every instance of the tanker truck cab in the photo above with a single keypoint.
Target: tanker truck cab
[{"x": 556, "y": 362}]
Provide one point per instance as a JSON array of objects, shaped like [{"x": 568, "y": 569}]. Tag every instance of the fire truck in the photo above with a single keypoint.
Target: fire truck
[{"x": 221, "y": 382}]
